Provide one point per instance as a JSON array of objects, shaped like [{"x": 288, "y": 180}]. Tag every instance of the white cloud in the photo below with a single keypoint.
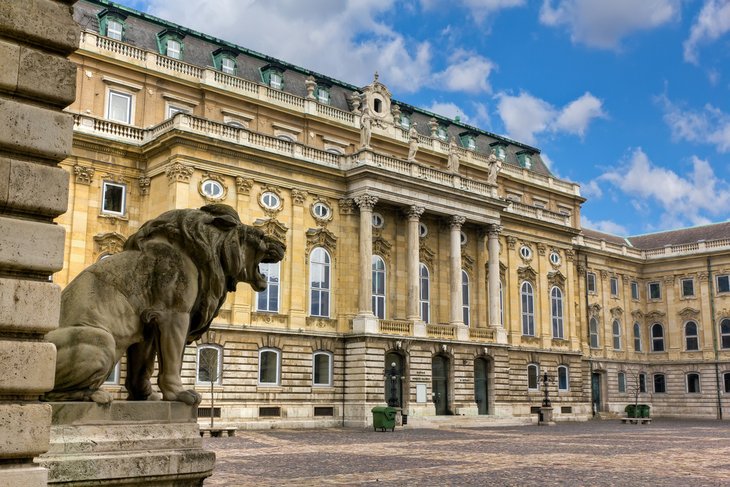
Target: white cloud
[
  {"x": 709, "y": 125},
  {"x": 591, "y": 189},
  {"x": 712, "y": 23},
  {"x": 524, "y": 115},
  {"x": 466, "y": 72},
  {"x": 480, "y": 9},
  {"x": 684, "y": 199},
  {"x": 603, "y": 23},
  {"x": 605, "y": 226}
]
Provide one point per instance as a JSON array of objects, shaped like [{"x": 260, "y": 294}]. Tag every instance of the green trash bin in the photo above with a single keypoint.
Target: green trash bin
[
  {"x": 631, "y": 411},
  {"x": 643, "y": 411},
  {"x": 384, "y": 418}
]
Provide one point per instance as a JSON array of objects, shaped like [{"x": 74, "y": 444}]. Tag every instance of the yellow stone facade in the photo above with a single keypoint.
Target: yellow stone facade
[{"x": 253, "y": 140}]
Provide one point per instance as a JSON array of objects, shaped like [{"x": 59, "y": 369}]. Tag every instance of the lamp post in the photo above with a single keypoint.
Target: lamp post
[
  {"x": 393, "y": 399},
  {"x": 545, "y": 381}
]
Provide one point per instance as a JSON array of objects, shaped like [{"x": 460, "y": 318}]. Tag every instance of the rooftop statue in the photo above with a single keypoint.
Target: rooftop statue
[
  {"x": 495, "y": 165},
  {"x": 412, "y": 142},
  {"x": 161, "y": 292},
  {"x": 366, "y": 127}
]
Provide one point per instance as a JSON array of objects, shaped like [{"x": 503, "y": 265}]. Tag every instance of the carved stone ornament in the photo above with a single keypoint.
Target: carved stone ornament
[
  {"x": 270, "y": 212},
  {"x": 617, "y": 312},
  {"x": 310, "y": 84},
  {"x": 433, "y": 127},
  {"x": 273, "y": 228},
  {"x": 581, "y": 268},
  {"x": 378, "y": 100},
  {"x": 84, "y": 175},
  {"x": 299, "y": 196},
  {"x": 689, "y": 313},
  {"x": 347, "y": 206},
  {"x": 178, "y": 172},
  {"x": 144, "y": 185},
  {"x": 541, "y": 248},
  {"x": 556, "y": 278},
  {"x": 511, "y": 242},
  {"x": 355, "y": 100},
  {"x": 603, "y": 274},
  {"x": 456, "y": 221},
  {"x": 243, "y": 185},
  {"x": 594, "y": 310},
  {"x": 637, "y": 315},
  {"x": 702, "y": 276},
  {"x": 209, "y": 176},
  {"x": 414, "y": 212},
  {"x": 467, "y": 263},
  {"x": 655, "y": 315},
  {"x": 426, "y": 255},
  {"x": 570, "y": 255},
  {"x": 366, "y": 201},
  {"x": 321, "y": 220},
  {"x": 108, "y": 243},
  {"x": 381, "y": 247},
  {"x": 669, "y": 280},
  {"x": 527, "y": 273},
  {"x": 320, "y": 237}
]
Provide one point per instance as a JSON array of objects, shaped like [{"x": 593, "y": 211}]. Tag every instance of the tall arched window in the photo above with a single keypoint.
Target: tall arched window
[
  {"x": 593, "y": 330},
  {"x": 378, "y": 287},
  {"x": 657, "y": 338},
  {"x": 563, "y": 382},
  {"x": 319, "y": 282},
  {"x": 465, "y": 296},
  {"x": 425, "y": 297},
  {"x": 527, "y": 300},
  {"x": 616, "y": 328},
  {"x": 637, "y": 337},
  {"x": 269, "y": 367},
  {"x": 725, "y": 333},
  {"x": 693, "y": 383},
  {"x": 322, "y": 368},
  {"x": 268, "y": 299},
  {"x": 556, "y": 311},
  {"x": 209, "y": 364},
  {"x": 533, "y": 375},
  {"x": 692, "y": 340}
]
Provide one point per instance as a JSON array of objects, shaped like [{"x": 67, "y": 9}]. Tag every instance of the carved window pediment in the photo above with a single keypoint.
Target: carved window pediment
[
  {"x": 527, "y": 273},
  {"x": 637, "y": 315},
  {"x": 594, "y": 310},
  {"x": 321, "y": 237},
  {"x": 426, "y": 255},
  {"x": 556, "y": 278},
  {"x": 689, "y": 313},
  {"x": 467, "y": 263},
  {"x": 273, "y": 228},
  {"x": 617, "y": 312},
  {"x": 655, "y": 315},
  {"x": 381, "y": 247},
  {"x": 108, "y": 243}
]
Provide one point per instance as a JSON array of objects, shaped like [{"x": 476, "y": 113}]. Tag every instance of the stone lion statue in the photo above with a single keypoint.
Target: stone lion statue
[{"x": 161, "y": 292}]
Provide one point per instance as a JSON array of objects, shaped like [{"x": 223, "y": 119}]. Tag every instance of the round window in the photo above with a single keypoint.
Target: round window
[
  {"x": 378, "y": 220},
  {"x": 212, "y": 189},
  {"x": 320, "y": 210},
  {"x": 270, "y": 200},
  {"x": 463, "y": 238},
  {"x": 422, "y": 230},
  {"x": 554, "y": 258},
  {"x": 525, "y": 252}
]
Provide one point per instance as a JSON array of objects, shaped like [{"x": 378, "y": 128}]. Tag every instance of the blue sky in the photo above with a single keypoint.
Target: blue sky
[{"x": 630, "y": 98}]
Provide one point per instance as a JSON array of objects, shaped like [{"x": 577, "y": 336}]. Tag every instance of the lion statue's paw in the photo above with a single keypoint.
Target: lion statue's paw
[
  {"x": 189, "y": 397},
  {"x": 101, "y": 397}
]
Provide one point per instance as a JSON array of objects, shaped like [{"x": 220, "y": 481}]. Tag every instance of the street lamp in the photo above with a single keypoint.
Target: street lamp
[
  {"x": 545, "y": 382},
  {"x": 393, "y": 399}
]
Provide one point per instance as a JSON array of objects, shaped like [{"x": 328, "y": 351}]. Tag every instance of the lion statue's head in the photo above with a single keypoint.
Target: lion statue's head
[{"x": 224, "y": 250}]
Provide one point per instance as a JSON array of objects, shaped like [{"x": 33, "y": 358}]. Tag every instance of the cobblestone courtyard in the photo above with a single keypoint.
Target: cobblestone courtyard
[{"x": 607, "y": 453}]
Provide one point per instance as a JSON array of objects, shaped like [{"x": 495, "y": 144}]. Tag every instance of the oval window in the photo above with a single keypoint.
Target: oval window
[
  {"x": 463, "y": 238},
  {"x": 422, "y": 230},
  {"x": 320, "y": 210},
  {"x": 378, "y": 220},
  {"x": 212, "y": 189},
  {"x": 555, "y": 258},
  {"x": 270, "y": 200},
  {"x": 525, "y": 252}
]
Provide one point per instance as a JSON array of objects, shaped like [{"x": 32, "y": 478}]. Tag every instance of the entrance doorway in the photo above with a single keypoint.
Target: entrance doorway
[
  {"x": 440, "y": 383},
  {"x": 481, "y": 391},
  {"x": 394, "y": 379},
  {"x": 596, "y": 388}
]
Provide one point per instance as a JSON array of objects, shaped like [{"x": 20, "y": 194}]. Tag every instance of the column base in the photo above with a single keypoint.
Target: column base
[
  {"x": 419, "y": 329},
  {"x": 365, "y": 324},
  {"x": 462, "y": 331},
  {"x": 500, "y": 334},
  {"x": 546, "y": 417}
]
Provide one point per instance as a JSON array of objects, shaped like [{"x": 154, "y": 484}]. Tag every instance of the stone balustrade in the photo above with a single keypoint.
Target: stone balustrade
[{"x": 700, "y": 247}]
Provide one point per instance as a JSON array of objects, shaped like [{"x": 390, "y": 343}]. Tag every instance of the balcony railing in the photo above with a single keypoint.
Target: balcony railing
[
  {"x": 396, "y": 327},
  {"x": 447, "y": 332},
  {"x": 657, "y": 253}
]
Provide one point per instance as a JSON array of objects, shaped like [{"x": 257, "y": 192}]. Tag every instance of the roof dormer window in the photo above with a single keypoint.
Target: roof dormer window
[
  {"x": 273, "y": 76},
  {"x": 468, "y": 141},
  {"x": 323, "y": 95},
  {"x": 224, "y": 60},
  {"x": 500, "y": 150},
  {"x": 525, "y": 159},
  {"x": 170, "y": 43},
  {"x": 111, "y": 23},
  {"x": 405, "y": 121},
  {"x": 441, "y": 133}
]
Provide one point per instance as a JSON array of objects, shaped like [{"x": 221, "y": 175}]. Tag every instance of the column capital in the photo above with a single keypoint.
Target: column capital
[
  {"x": 414, "y": 212},
  {"x": 494, "y": 229},
  {"x": 366, "y": 201},
  {"x": 457, "y": 221}
]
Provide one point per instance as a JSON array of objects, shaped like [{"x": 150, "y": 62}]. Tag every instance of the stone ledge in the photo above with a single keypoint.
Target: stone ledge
[
  {"x": 25, "y": 430},
  {"x": 29, "y": 306},
  {"x": 31, "y": 246},
  {"x": 35, "y": 130},
  {"x": 28, "y": 367},
  {"x": 34, "y": 188}
]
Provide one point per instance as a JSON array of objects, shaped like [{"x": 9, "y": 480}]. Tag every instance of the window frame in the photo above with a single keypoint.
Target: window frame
[
  {"x": 616, "y": 330},
  {"x": 725, "y": 333},
  {"x": 527, "y": 299},
  {"x": 465, "y": 298},
  {"x": 170, "y": 40},
  {"x": 123, "y": 204},
  {"x": 323, "y": 90},
  {"x": 637, "y": 336},
  {"x": 536, "y": 367},
  {"x": 277, "y": 354},
  {"x": 649, "y": 294},
  {"x": 726, "y": 382},
  {"x": 330, "y": 368},
  {"x": 621, "y": 382},
  {"x": 591, "y": 286},
  {"x": 424, "y": 304},
  {"x": 214, "y": 183},
  {"x": 115, "y": 374},
  {"x": 321, "y": 205},
  {"x": 635, "y": 294},
  {"x": 556, "y": 318},
  {"x": 695, "y": 336},
  {"x": 567, "y": 378},
  {"x": 681, "y": 287},
  {"x": 269, "y": 195},
  {"x": 114, "y": 20},
  {"x": 326, "y": 266},
  {"x": 613, "y": 282},
  {"x": 219, "y": 363},
  {"x": 657, "y": 339},
  {"x": 267, "y": 293},
  {"x": 379, "y": 299},
  {"x": 114, "y": 92},
  {"x": 663, "y": 382},
  {"x": 725, "y": 278},
  {"x": 594, "y": 332},
  {"x": 698, "y": 383}
]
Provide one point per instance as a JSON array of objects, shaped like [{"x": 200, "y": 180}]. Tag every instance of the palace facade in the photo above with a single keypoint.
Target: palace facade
[{"x": 429, "y": 263}]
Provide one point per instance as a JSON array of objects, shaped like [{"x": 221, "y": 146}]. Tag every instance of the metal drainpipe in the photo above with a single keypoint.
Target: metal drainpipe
[{"x": 714, "y": 336}]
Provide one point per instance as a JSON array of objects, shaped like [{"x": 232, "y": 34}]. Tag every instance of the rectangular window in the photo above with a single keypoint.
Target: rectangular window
[
  {"x": 726, "y": 381},
  {"x": 562, "y": 378},
  {"x": 228, "y": 65},
  {"x": 113, "y": 198},
  {"x": 591, "y": 282},
  {"x": 533, "y": 374},
  {"x": 621, "y": 382},
  {"x": 323, "y": 96},
  {"x": 114, "y": 29},
  {"x": 660, "y": 385},
  {"x": 642, "y": 382},
  {"x": 113, "y": 377},
  {"x": 723, "y": 284},
  {"x": 119, "y": 108},
  {"x": 693, "y": 383},
  {"x": 268, "y": 367},
  {"x": 174, "y": 49},
  {"x": 322, "y": 369},
  {"x": 268, "y": 299},
  {"x": 614, "y": 287},
  {"x": 172, "y": 110},
  {"x": 655, "y": 290},
  {"x": 275, "y": 80},
  {"x": 688, "y": 287},
  {"x": 634, "y": 290}
]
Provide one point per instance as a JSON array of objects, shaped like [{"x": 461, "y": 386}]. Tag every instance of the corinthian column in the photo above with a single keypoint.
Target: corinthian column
[
  {"x": 366, "y": 203},
  {"x": 414, "y": 290},
  {"x": 495, "y": 321},
  {"x": 457, "y": 315}
]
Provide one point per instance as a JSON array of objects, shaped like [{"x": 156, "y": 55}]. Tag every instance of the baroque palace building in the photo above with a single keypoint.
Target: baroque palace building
[{"x": 426, "y": 259}]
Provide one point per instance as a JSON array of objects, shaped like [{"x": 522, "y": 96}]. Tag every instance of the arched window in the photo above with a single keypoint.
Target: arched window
[
  {"x": 269, "y": 367},
  {"x": 209, "y": 364},
  {"x": 563, "y": 383},
  {"x": 533, "y": 374},
  {"x": 556, "y": 311},
  {"x": 657, "y": 338},
  {"x": 660, "y": 383},
  {"x": 425, "y": 298},
  {"x": 593, "y": 329},
  {"x": 622, "y": 382},
  {"x": 465, "y": 296},
  {"x": 322, "y": 368},
  {"x": 528, "y": 309},
  {"x": 616, "y": 326},
  {"x": 725, "y": 333},
  {"x": 319, "y": 282},
  {"x": 726, "y": 382},
  {"x": 637, "y": 337},
  {"x": 268, "y": 299},
  {"x": 693, "y": 383},
  {"x": 378, "y": 287},
  {"x": 691, "y": 338}
]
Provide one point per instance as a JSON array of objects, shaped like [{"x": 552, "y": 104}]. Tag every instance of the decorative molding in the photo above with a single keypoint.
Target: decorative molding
[
  {"x": 467, "y": 263},
  {"x": 262, "y": 317},
  {"x": 144, "y": 185},
  {"x": 511, "y": 242},
  {"x": 655, "y": 315},
  {"x": 594, "y": 310},
  {"x": 243, "y": 185},
  {"x": 321, "y": 237},
  {"x": 617, "y": 312},
  {"x": 702, "y": 276},
  {"x": 414, "y": 212},
  {"x": 556, "y": 278},
  {"x": 366, "y": 202},
  {"x": 426, "y": 255},
  {"x": 541, "y": 248},
  {"x": 581, "y": 268},
  {"x": 637, "y": 315},
  {"x": 347, "y": 206},
  {"x": 604, "y": 274},
  {"x": 456, "y": 221},
  {"x": 178, "y": 172},
  {"x": 689, "y": 313},
  {"x": 320, "y": 220},
  {"x": 108, "y": 243},
  {"x": 381, "y": 247},
  {"x": 527, "y": 273},
  {"x": 299, "y": 196},
  {"x": 570, "y": 255},
  {"x": 273, "y": 228},
  {"x": 270, "y": 212},
  {"x": 214, "y": 177},
  {"x": 321, "y": 323},
  {"x": 84, "y": 175}
]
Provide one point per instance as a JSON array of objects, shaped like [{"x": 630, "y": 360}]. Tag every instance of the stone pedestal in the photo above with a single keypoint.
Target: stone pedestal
[
  {"x": 546, "y": 417},
  {"x": 126, "y": 443}
]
